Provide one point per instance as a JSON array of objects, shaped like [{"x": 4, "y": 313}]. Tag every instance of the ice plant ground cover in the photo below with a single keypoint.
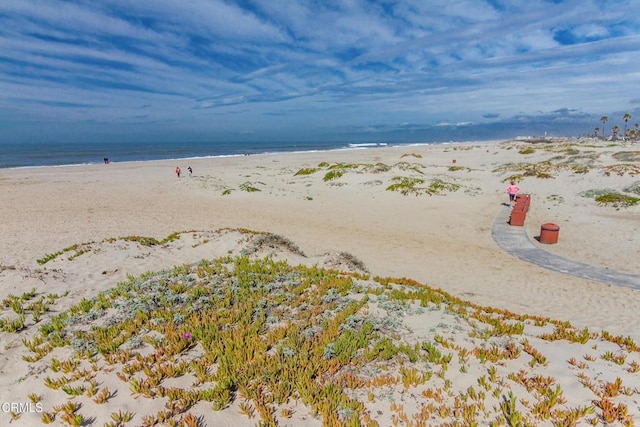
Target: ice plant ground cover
[{"x": 277, "y": 344}]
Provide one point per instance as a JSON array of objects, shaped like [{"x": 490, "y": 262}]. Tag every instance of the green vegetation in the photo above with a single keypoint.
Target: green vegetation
[
  {"x": 629, "y": 134},
  {"x": 593, "y": 193},
  {"x": 271, "y": 241},
  {"x": 306, "y": 171},
  {"x": 14, "y": 325},
  {"x": 82, "y": 248},
  {"x": 410, "y": 182},
  {"x": 617, "y": 200},
  {"x": 438, "y": 186},
  {"x": 269, "y": 336},
  {"x": 414, "y": 186},
  {"x": 410, "y": 167},
  {"x": 633, "y": 188},
  {"x": 571, "y": 151},
  {"x": 48, "y": 257},
  {"x": 573, "y": 160},
  {"x": 527, "y": 150},
  {"x": 555, "y": 199},
  {"x": 352, "y": 262},
  {"x": 336, "y": 171},
  {"x": 22, "y": 306},
  {"x": 627, "y": 156},
  {"x": 248, "y": 187},
  {"x": 333, "y": 174},
  {"x": 621, "y": 169},
  {"x": 609, "y": 197},
  {"x": 406, "y": 185},
  {"x": 150, "y": 241}
]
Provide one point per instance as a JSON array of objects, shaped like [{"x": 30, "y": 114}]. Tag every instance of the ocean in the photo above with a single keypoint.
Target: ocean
[{"x": 14, "y": 155}]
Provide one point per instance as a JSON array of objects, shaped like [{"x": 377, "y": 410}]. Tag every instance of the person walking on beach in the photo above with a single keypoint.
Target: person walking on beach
[
  {"x": 512, "y": 190},
  {"x": 190, "y": 170},
  {"x": 178, "y": 171}
]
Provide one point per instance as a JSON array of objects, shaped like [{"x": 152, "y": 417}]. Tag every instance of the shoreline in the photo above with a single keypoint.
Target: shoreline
[{"x": 350, "y": 146}]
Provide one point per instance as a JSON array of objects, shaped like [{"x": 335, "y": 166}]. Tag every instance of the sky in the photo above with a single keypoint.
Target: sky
[{"x": 363, "y": 70}]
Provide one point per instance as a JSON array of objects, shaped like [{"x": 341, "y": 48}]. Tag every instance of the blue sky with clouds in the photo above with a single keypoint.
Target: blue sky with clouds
[{"x": 86, "y": 70}]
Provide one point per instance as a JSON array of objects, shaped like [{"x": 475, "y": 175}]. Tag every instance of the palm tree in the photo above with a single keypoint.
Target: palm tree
[
  {"x": 595, "y": 132},
  {"x": 626, "y": 118},
  {"x": 604, "y": 119},
  {"x": 616, "y": 131}
]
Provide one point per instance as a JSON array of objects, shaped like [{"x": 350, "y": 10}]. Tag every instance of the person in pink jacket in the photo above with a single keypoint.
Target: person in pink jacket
[{"x": 513, "y": 190}]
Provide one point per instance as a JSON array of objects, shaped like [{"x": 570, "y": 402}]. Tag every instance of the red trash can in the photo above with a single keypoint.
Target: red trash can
[{"x": 549, "y": 233}]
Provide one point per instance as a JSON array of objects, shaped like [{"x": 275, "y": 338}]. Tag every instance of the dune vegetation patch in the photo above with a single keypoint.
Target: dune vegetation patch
[
  {"x": 616, "y": 200},
  {"x": 14, "y": 310},
  {"x": 335, "y": 171},
  {"x": 306, "y": 171},
  {"x": 276, "y": 344},
  {"x": 578, "y": 163},
  {"x": 542, "y": 170},
  {"x": 555, "y": 199},
  {"x": 412, "y": 179},
  {"x": 609, "y": 197},
  {"x": 574, "y": 161},
  {"x": 79, "y": 249},
  {"x": 633, "y": 188},
  {"x": 249, "y": 187},
  {"x": 621, "y": 169},
  {"x": 572, "y": 151},
  {"x": 272, "y": 242},
  {"x": 418, "y": 186},
  {"x": 627, "y": 156},
  {"x": 407, "y": 166},
  {"x": 333, "y": 174}
]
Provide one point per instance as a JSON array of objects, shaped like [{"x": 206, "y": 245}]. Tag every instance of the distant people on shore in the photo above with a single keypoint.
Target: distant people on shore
[
  {"x": 190, "y": 170},
  {"x": 178, "y": 171},
  {"x": 106, "y": 160},
  {"x": 512, "y": 190}
]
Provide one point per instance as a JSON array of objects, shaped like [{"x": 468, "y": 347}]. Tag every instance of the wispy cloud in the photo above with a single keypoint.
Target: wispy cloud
[{"x": 270, "y": 69}]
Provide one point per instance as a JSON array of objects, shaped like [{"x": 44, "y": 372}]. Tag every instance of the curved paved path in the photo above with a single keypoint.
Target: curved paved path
[{"x": 515, "y": 241}]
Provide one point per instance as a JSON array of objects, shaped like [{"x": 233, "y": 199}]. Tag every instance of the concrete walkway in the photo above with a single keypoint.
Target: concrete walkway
[{"x": 515, "y": 241}]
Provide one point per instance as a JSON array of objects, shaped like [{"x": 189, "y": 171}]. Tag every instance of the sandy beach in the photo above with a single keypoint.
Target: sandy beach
[{"x": 335, "y": 207}]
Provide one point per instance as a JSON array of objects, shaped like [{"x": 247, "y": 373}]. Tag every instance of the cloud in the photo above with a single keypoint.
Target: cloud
[{"x": 322, "y": 67}]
